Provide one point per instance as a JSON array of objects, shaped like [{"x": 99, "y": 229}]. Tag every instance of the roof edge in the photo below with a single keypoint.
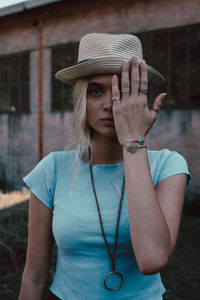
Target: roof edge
[{"x": 25, "y": 5}]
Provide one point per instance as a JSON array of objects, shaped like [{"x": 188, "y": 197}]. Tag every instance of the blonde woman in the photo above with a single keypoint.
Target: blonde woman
[{"x": 112, "y": 206}]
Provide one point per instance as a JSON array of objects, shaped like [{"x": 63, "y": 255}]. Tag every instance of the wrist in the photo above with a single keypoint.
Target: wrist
[
  {"x": 134, "y": 145},
  {"x": 140, "y": 141}
]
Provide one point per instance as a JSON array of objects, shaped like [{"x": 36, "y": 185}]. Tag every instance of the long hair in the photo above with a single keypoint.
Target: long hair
[
  {"x": 82, "y": 130},
  {"x": 81, "y": 127}
]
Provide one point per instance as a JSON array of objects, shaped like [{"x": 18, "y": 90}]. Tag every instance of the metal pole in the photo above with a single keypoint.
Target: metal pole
[{"x": 40, "y": 88}]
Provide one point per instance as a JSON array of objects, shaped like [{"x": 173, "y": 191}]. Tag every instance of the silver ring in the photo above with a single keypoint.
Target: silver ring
[
  {"x": 115, "y": 98},
  {"x": 144, "y": 91},
  {"x": 155, "y": 109},
  {"x": 125, "y": 92}
]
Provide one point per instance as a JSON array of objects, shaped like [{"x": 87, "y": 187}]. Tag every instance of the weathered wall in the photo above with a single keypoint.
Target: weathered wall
[
  {"x": 69, "y": 21},
  {"x": 179, "y": 130}
]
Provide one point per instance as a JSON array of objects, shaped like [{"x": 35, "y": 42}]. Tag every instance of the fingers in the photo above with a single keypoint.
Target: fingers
[
  {"x": 157, "y": 104},
  {"x": 115, "y": 89},
  {"x": 135, "y": 76},
  {"x": 125, "y": 84},
  {"x": 143, "y": 77},
  {"x": 138, "y": 77}
]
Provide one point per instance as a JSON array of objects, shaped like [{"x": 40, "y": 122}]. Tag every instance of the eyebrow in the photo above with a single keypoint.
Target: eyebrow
[{"x": 94, "y": 83}]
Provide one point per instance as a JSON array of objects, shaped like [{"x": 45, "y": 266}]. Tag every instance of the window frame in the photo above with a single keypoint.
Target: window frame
[
  {"x": 64, "y": 97},
  {"x": 17, "y": 83},
  {"x": 147, "y": 38}
]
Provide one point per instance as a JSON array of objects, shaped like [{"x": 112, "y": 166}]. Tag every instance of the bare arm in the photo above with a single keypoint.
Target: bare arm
[
  {"x": 40, "y": 241},
  {"x": 154, "y": 214}
]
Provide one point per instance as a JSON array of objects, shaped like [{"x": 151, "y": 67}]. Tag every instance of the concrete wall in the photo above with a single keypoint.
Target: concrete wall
[{"x": 68, "y": 21}]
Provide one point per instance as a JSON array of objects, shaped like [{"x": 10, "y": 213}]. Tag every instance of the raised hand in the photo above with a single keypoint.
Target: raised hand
[{"x": 132, "y": 117}]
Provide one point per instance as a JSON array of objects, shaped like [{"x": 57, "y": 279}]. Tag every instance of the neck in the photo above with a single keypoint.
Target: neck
[{"x": 106, "y": 150}]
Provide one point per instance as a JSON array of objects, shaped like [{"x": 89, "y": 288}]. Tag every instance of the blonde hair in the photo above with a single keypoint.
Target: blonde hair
[
  {"x": 82, "y": 130},
  {"x": 81, "y": 126}
]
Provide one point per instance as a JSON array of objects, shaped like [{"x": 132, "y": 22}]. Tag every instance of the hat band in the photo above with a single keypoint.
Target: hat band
[{"x": 84, "y": 60}]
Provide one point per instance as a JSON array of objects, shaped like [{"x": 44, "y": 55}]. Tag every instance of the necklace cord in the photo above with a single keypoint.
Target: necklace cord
[{"x": 100, "y": 219}]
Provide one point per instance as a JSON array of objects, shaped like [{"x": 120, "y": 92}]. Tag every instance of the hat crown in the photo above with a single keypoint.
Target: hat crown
[
  {"x": 97, "y": 45},
  {"x": 103, "y": 53}
]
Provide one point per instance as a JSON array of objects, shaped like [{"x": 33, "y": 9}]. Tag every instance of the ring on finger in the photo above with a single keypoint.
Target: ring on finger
[
  {"x": 125, "y": 92},
  {"x": 153, "y": 108},
  {"x": 115, "y": 98},
  {"x": 144, "y": 91}
]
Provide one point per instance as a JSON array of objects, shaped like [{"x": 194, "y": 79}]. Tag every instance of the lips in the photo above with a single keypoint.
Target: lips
[
  {"x": 108, "y": 119},
  {"x": 108, "y": 122}
]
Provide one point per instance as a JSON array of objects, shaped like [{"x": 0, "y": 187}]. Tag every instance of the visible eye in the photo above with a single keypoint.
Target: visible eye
[{"x": 96, "y": 92}]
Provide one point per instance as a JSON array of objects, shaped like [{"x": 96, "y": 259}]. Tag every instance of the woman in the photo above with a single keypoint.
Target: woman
[{"x": 112, "y": 206}]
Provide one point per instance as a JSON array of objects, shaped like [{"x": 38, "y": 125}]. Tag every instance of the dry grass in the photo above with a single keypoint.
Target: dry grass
[
  {"x": 180, "y": 277},
  {"x": 12, "y": 198},
  {"x": 13, "y": 241}
]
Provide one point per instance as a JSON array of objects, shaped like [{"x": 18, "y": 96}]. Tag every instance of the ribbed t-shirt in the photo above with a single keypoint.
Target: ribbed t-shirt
[{"x": 63, "y": 183}]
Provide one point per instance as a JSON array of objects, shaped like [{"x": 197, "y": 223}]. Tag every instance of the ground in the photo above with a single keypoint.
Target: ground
[{"x": 180, "y": 276}]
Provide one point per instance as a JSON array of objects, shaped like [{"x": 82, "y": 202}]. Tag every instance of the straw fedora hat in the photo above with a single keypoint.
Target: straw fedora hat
[{"x": 103, "y": 53}]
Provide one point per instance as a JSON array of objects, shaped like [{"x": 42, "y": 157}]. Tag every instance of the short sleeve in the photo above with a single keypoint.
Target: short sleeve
[
  {"x": 41, "y": 180},
  {"x": 173, "y": 164}
]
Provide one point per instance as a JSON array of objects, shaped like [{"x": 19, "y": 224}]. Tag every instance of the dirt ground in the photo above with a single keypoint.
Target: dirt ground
[{"x": 180, "y": 276}]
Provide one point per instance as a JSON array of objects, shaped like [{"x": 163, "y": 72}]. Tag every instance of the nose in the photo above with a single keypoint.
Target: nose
[{"x": 107, "y": 105}]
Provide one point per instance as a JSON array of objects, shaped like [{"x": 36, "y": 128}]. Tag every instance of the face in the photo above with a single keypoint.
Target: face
[{"x": 99, "y": 105}]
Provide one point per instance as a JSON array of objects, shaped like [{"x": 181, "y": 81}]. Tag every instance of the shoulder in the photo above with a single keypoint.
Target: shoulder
[
  {"x": 63, "y": 158},
  {"x": 163, "y": 155},
  {"x": 155, "y": 153},
  {"x": 64, "y": 154},
  {"x": 165, "y": 163}
]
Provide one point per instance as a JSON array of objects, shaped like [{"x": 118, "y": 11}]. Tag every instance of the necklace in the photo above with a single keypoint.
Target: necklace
[{"x": 113, "y": 272}]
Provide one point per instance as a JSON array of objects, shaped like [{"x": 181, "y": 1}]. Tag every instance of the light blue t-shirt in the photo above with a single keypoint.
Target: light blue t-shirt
[{"x": 82, "y": 257}]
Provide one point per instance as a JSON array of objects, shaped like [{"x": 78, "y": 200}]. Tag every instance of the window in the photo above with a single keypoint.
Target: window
[
  {"x": 14, "y": 83},
  {"x": 62, "y": 57},
  {"x": 175, "y": 54}
]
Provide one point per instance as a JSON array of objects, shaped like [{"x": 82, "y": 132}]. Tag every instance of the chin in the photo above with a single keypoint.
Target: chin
[
  {"x": 110, "y": 133},
  {"x": 106, "y": 131}
]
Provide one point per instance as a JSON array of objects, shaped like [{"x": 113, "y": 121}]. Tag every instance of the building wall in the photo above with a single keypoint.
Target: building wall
[{"x": 68, "y": 21}]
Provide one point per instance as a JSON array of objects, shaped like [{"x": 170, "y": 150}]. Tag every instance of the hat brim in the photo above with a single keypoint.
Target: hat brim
[{"x": 103, "y": 65}]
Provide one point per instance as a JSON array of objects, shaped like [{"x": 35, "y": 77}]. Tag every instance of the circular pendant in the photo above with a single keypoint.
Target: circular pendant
[{"x": 119, "y": 275}]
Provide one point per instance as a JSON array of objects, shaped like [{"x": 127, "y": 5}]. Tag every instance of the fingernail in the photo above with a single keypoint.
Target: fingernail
[{"x": 163, "y": 97}]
